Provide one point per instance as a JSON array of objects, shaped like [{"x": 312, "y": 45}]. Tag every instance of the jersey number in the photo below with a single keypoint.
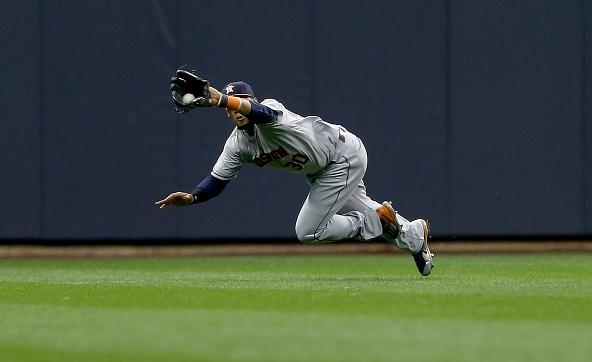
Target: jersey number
[{"x": 297, "y": 161}]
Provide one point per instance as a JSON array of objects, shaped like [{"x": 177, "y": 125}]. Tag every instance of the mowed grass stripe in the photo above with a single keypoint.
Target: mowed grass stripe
[
  {"x": 374, "y": 308},
  {"x": 139, "y": 334}
]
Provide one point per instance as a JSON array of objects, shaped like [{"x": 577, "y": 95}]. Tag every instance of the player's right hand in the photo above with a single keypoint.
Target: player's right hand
[
  {"x": 176, "y": 199},
  {"x": 215, "y": 96}
]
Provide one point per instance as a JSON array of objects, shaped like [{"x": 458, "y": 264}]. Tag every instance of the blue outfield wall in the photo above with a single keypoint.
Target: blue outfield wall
[{"x": 476, "y": 115}]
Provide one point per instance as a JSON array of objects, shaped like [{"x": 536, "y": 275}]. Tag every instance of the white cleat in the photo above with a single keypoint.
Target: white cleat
[{"x": 423, "y": 258}]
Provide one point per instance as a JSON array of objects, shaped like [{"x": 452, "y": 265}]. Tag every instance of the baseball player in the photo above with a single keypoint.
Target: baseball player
[{"x": 333, "y": 160}]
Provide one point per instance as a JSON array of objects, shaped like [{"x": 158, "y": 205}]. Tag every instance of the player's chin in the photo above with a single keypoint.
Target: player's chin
[{"x": 242, "y": 123}]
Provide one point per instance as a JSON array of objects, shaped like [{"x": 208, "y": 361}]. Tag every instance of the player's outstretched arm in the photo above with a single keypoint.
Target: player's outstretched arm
[
  {"x": 209, "y": 188},
  {"x": 176, "y": 199},
  {"x": 241, "y": 105}
]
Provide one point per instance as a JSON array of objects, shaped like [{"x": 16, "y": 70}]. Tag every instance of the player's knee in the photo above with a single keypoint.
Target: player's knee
[
  {"x": 306, "y": 238},
  {"x": 306, "y": 235}
]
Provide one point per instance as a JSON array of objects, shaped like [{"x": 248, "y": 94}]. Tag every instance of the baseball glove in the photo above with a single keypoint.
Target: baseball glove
[{"x": 188, "y": 83}]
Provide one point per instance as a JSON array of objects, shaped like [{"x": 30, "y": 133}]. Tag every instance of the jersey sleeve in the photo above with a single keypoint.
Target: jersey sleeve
[
  {"x": 261, "y": 114},
  {"x": 230, "y": 161},
  {"x": 209, "y": 188}
]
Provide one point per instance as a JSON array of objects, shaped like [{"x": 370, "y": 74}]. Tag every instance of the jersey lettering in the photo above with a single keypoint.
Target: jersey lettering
[{"x": 266, "y": 157}]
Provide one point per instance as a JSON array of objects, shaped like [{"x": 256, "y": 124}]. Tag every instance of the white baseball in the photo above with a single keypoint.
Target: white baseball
[{"x": 187, "y": 98}]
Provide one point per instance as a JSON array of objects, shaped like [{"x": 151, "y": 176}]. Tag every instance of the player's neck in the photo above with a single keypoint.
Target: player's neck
[{"x": 249, "y": 128}]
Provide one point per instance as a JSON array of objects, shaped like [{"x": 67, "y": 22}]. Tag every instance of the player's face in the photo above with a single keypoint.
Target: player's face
[{"x": 238, "y": 119}]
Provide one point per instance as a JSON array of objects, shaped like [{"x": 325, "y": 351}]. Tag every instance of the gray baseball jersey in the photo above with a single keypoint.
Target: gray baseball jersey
[{"x": 292, "y": 143}]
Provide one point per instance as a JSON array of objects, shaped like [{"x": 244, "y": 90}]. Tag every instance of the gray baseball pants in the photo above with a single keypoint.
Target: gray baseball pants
[{"x": 337, "y": 206}]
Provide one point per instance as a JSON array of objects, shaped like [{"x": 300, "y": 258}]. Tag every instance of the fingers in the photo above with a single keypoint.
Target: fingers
[
  {"x": 161, "y": 203},
  {"x": 175, "y": 199},
  {"x": 164, "y": 202}
]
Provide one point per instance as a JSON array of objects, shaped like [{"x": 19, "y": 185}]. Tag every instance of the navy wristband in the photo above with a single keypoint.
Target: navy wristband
[{"x": 223, "y": 101}]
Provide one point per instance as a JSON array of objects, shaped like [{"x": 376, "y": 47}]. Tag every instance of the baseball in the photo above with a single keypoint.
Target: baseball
[{"x": 187, "y": 98}]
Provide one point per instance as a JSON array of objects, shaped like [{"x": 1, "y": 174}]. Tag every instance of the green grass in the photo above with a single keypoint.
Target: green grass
[{"x": 334, "y": 308}]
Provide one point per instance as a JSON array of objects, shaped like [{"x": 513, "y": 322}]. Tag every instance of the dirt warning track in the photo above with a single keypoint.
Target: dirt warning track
[{"x": 163, "y": 251}]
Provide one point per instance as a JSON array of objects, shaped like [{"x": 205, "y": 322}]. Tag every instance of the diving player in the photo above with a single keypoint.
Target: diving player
[{"x": 333, "y": 160}]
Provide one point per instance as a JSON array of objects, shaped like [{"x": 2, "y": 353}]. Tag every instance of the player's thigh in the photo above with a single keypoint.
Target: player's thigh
[{"x": 331, "y": 191}]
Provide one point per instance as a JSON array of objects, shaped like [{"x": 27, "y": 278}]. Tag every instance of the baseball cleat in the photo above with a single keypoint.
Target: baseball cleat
[
  {"x": 390, "y": 226},
  {"x": 423, "y": 258}
]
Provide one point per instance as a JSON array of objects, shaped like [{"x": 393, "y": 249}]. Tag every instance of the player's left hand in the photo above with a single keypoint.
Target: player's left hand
[
  {"x": 176, "y": 199},
  {"x": 186, "y": 82}
]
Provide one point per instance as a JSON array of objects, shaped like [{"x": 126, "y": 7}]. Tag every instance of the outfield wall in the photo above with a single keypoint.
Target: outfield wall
[{"x": 476, "y": 114}]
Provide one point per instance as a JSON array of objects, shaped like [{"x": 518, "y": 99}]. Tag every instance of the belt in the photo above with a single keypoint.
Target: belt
[{"x": 341, "y": 136}]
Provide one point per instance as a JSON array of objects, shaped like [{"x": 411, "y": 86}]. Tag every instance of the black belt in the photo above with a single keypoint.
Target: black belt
[{"x": 341, "y": 136}]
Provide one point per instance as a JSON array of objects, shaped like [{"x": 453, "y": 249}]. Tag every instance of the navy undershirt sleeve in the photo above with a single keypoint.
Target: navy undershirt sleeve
[
  {"x": 261, "y": 114},
  {"x": 209, "y": 188}
]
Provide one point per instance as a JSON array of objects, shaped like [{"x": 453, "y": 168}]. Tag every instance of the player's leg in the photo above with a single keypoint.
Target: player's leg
[
  {"x": 337, "y": 207},
  {"x": 409, "y": 235},
  {"x": 318, "y": 221},
  {"x": 397, "y": 230},
  {"x": 359, "y": 201}
]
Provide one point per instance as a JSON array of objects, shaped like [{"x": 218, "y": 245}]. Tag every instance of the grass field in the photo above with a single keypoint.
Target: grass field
[{"x": 307, "y": 308}]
